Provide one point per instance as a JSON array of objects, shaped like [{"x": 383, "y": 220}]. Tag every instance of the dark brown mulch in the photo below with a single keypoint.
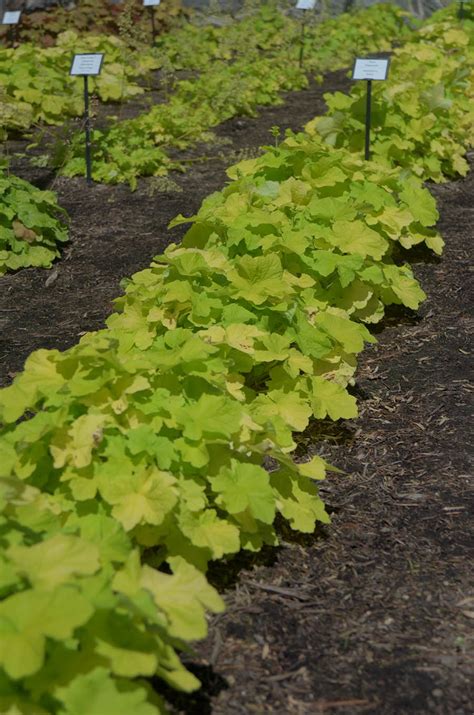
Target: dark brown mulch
[
  {"x": 375, "y": 613},
  {"x": 115, "y": 232}
]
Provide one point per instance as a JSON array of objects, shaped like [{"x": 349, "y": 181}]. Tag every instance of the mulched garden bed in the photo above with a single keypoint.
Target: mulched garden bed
[
  {"x": 116, "y": 232},
  {"x": 374, "y": 613}
]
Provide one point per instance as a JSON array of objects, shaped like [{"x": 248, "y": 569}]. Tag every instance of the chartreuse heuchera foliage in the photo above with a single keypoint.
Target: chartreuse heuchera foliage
[
  {"x": 268, "y": 32},
  {"x": 32, "y": 226},
  {"x": 243, "y": 66},
  {"x": 35, "y": 85},
  {"x": 134, "y": 458},
  {"x": 423, "y": 118}
]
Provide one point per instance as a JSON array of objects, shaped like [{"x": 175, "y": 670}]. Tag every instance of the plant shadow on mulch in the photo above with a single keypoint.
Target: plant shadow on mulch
[{"x": 200, "y": 702}]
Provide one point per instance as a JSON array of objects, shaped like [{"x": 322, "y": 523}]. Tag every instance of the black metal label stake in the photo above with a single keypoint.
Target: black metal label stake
[
  {"x": 12, "y": 18},
  {"x": 368, "y": 119},
  {"x": 461, "y": 8},
  {"x": 87, "y": 65},
  {"x": 303, "y": 28},
  {"x": 87, "y": 129},
  {"x": 304, "y": 5},
  {"x": 151, "y": 4},
  {"x": 370, "y": 68}
]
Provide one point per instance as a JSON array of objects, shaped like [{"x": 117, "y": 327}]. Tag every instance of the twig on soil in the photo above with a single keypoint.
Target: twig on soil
[{"x": 290, "y": 592}]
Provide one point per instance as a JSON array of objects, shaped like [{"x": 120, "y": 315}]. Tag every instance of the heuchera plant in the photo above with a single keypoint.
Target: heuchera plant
[
  {"x": 423, "y": 118},
  {"x": 32, "y": 225}
]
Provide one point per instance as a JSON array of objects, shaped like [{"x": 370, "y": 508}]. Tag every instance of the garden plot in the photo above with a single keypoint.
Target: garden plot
[
  {"x": 137, "y": 454},
  {"x": 374, "y": 613},
  {"x": 52, "y": 308}
]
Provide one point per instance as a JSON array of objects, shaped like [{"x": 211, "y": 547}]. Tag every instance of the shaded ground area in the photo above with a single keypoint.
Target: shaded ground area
[
  {"x": 375, "y": 613},
  {"x": 115, "y": 232}
]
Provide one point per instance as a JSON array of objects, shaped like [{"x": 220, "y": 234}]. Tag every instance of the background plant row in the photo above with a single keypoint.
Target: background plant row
[
  {"x": 103, "y": 17},
  {"x": 36, "y": 86},
  {"x": 242, "y": 65},
  {"x": 423, "y": 118},
  {"x": 239, "y": 67},
  {"x": 135, "y": 457}
]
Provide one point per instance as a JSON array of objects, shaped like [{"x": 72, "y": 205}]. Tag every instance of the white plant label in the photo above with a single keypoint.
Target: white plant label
[
  {"x": 305, "y": 4},
  {"x": 367, "y": 68},
  {"x": 151, "y": 3},
  {"x": 87, "y": 64},
  {"x": 11, "y": 17}
]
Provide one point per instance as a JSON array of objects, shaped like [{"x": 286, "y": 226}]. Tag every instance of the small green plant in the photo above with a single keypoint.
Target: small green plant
[
  {"x": 276, "y": 134},
  {"x": 162, "y": 184}
]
